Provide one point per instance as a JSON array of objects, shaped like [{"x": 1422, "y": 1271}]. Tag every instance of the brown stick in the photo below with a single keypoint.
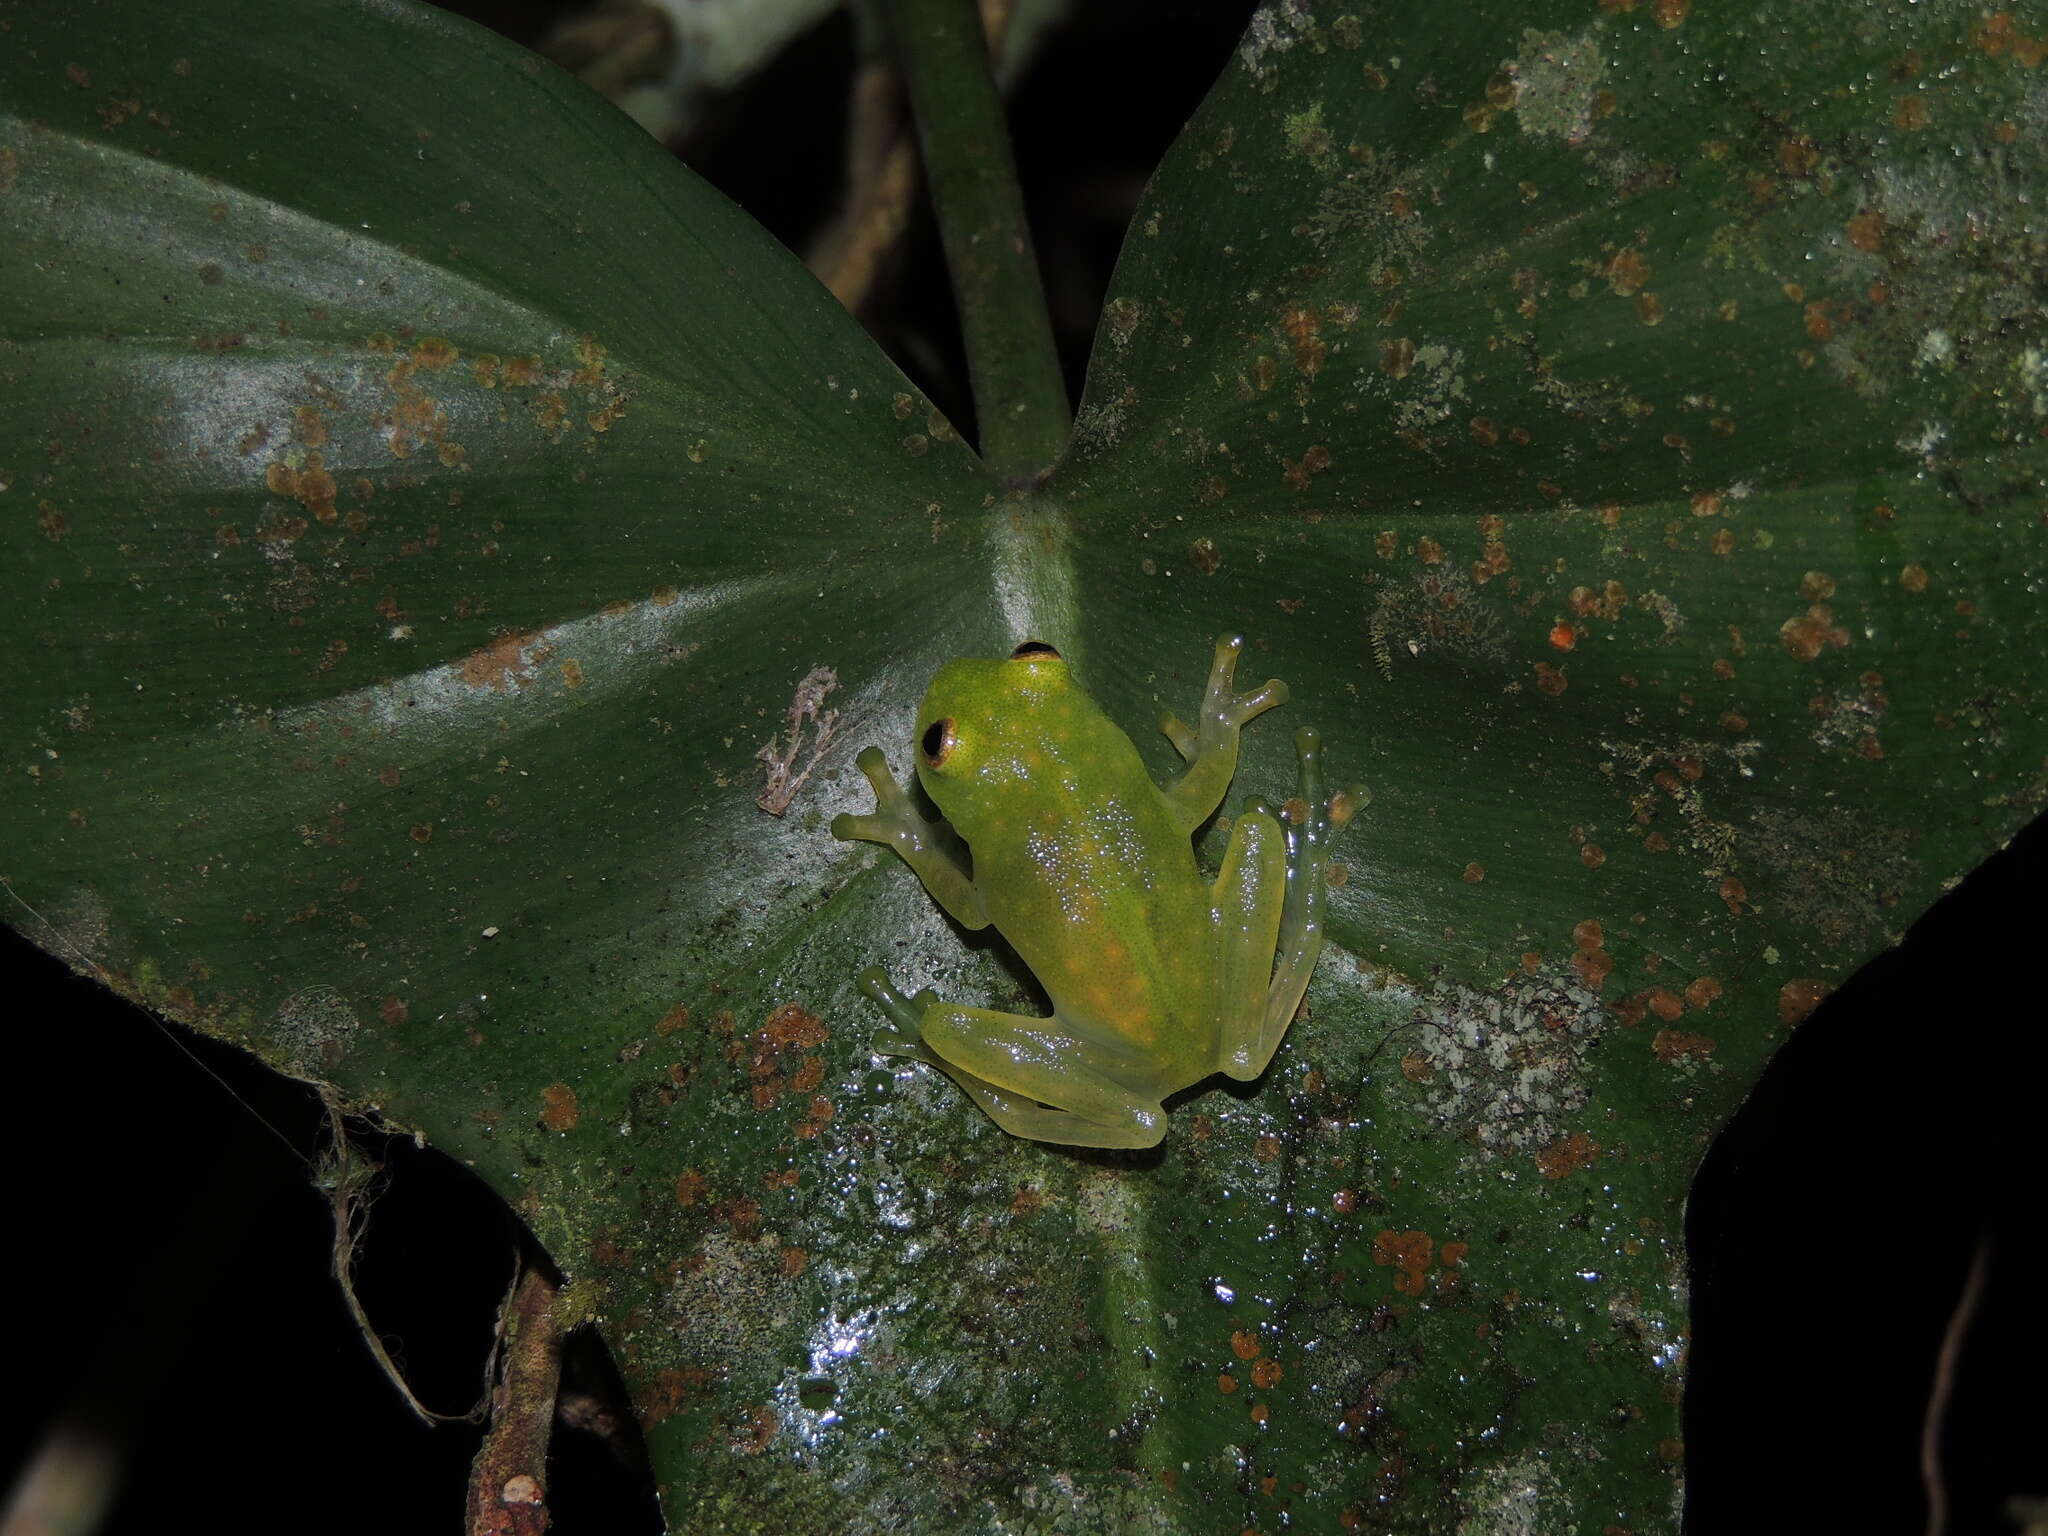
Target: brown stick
[
  {"x": 882, "y": 175},
  {"x": 1944, "y": 1383},
  {"x": 508, "y": 1479}
]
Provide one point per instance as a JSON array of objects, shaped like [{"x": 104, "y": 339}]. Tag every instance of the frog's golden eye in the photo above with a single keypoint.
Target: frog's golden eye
[
  {"x": 937, "y": 741},
  {"x": 1034, "y": 648}
]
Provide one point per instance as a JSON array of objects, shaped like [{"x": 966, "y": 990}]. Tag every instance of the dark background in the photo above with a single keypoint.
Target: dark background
[{"x": 168, "y": 1257}]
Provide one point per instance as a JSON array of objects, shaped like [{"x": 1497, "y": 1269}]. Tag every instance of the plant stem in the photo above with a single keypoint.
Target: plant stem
[
  {"x": 1018, "y": 391},
  {"x": 508, "y": 1479}
]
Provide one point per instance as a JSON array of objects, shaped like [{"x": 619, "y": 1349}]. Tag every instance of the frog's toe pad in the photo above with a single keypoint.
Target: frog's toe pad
[
  {"x": 903, "y": 1012},
  {"x": 1347, "y": 803},
  {"x": 1246, "y": 707},
  {"x": 891, "y": 1041}
]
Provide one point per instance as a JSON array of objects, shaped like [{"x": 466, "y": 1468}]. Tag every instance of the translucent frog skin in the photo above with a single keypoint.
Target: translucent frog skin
[{"x": 1054, "y": 832}]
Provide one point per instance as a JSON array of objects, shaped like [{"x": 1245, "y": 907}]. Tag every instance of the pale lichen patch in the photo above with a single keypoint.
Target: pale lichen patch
[
  {"x": 1439, "y": 608},
  {"x": 1521, "y": 1497},
  {"x": 76, "y": 927},
  {"x": 1507, "y": 1067},
  {"x": 1438, "y": 395},
  {"x": 1556, "y": 77},
  {"x": 1306, "y": 135},
  {"x": 1837, "y": 874},
  {"x": 1274, "y": 29},
  {"x": 313, "y": 1030}
]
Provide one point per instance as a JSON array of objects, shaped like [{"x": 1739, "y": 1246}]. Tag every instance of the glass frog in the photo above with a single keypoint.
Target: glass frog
[{"x": 1053, "y": 832}]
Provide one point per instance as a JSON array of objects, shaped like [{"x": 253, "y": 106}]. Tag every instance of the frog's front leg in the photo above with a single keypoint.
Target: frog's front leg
[
  {"x": 1269, "y": 906},
  {"x": 1030, "y": 1076},
  {"x": 931, "y": 848},
  {"x": 1211, "y": 751}
]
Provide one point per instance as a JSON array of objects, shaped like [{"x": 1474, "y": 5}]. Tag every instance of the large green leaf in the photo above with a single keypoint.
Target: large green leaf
[
  {"x": 1621, "y": 427},
  {"x": 1631, "y": 419}
]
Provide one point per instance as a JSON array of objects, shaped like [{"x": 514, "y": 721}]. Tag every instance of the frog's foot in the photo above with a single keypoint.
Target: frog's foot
[
  {"x": 1021, "y": 1116},
  {"x": 1245, "y": 905},
  {"x": 1211, "y": 747},
  {"x": 1033, "y": 1057},
  {"x": 1312, "y": 817},
  {"x": 895, "y": 821},
  {"x": 1311, "y": 820},
  {"x": 931, "y": 848},
  {"x": 1224, "y": 712},
  {"x": 900, "y": 1036},
  {"x": 1037, "y": 1081}
]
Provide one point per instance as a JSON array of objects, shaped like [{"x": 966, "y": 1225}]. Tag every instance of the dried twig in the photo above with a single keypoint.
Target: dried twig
[
  {"x": 782, "y": 784},
  {"x": 883, "y": 176},
  {"x": 616, "y": 47},
  {"x": 508, "y": 1479},
  {"x": 347, "y": 1183},
  {"x": 1944, "y": 1384}
]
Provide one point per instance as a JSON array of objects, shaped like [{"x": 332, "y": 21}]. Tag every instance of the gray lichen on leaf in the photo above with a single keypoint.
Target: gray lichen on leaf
[
  {"x": 77, "y": 927},
  {"x": 1838, "y": 874},
  {"x": 1506, "y": 1068},
  {"x": 1274, "y": 29},
  {"x": 1955, "y": 284},
  {"x": 1374, "y": 213},
  {"x": 1519, "y": 1497},
  {"x": 731, "y": 1296},
  {"x": 1437, "y": 391},
  {"x": 1439, "y": 608},
  {"x": 1556, "y": 78},
  {"x": 313, "y": 1030}
]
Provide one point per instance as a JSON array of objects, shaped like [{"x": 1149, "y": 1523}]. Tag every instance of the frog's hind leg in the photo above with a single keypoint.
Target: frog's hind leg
[
  {"x": 1245, "y": 905},
  {"x": 1031, "y": 1077},
  {"x": 1020, "y": 1116},
  {"x": 1312, "y": 820}
]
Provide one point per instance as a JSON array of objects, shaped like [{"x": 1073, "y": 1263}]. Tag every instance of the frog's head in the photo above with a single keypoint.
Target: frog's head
[{"x": 990, "y": 732}]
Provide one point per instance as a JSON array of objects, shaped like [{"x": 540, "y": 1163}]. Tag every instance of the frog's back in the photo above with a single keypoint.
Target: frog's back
[
  {"x": 1077, "y": 856},
  {"x": 1095, "y": 886}
]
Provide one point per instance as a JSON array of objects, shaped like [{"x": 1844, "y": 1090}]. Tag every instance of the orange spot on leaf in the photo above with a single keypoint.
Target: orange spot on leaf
[
  {"x": 558, "y": 1107},
  {"x": 1406, "y": 1252},
  {"x": 1298, "y": 473},
  {"x": 1799, "y": 997},
  {"x": 1567, "y": 1155},
  {"x": 1677, "y": 1045},
  {"x": 1304, "y": 332},
  {"x": 1627, "y": 272},
  {"x": 1807, "y": 635},
  {"x": 501, "y": 663}
]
